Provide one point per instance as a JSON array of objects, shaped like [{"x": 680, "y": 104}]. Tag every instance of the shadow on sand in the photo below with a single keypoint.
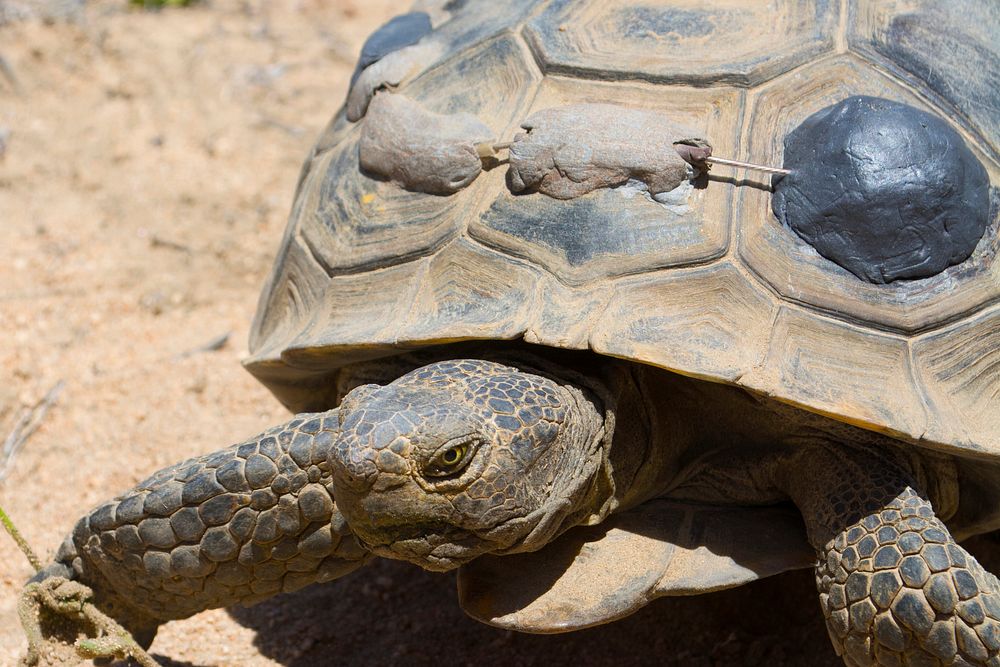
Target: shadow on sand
[{"x": 395, "y": 613}]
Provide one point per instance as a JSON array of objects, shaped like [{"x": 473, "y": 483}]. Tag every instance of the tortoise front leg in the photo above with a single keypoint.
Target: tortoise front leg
[
  {"x": 894, "y": 586},
  {"x": 238, "y": 525}
]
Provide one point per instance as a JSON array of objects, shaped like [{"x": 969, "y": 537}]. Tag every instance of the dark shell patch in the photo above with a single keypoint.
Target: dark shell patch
[
  {"x": 399, "y": 32},
  {"x": 883, "y": 189}
]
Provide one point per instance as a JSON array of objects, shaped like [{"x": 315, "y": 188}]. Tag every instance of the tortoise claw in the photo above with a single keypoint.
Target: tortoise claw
[
  {"x": 70, "y": 604},
  {"x": 62, "y": 596}
]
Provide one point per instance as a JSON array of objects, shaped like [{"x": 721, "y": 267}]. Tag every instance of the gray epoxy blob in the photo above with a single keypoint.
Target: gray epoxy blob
[{"x": 883, "y": 189}]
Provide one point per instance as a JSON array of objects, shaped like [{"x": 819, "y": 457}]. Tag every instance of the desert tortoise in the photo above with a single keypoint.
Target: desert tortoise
[{"x": 589, "y": 399}]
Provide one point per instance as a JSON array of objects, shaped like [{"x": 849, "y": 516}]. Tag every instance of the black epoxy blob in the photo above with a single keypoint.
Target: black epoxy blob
[
  {"x": 399, "y": 32},
  {"x": 885, "y": 190}
]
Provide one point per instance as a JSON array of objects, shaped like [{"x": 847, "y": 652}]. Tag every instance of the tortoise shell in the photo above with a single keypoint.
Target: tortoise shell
[{"x": 715, "y": 289}]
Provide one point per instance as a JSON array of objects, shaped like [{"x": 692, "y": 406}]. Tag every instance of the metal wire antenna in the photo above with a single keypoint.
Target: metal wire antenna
[
  {"x": 488, "y": 149},
  {"x": 746, "y": 165}
]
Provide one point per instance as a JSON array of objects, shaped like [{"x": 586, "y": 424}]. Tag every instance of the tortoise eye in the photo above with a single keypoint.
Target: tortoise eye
[
  {"x": 453, "y": 455},
  {"x": 450, "y": 461}
]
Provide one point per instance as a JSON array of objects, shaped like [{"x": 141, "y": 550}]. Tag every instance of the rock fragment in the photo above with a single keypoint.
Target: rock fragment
[
  {"x": 571, "y": 150},
  {"x": 419, "y": 149},
  {"x": 397, "y": 33},
  {"x": 389, "y": 71}
]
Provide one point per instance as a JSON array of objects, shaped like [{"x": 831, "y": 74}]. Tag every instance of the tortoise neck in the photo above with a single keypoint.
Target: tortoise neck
[
  {"x": 614, "y": 420},
  {"x": 636, "y": 465}
]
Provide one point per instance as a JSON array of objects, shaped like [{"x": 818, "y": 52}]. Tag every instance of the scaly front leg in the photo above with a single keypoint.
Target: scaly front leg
[
  {"x": 894, "y": 586},
  {"x": 238, "y": 525}
]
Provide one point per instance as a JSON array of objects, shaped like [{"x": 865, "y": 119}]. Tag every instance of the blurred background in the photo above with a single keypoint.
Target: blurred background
[{"x": 148, "y": 155}]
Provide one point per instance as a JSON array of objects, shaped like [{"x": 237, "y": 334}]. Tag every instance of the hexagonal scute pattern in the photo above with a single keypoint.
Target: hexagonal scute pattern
[
  {"x": 356, "y": 222},
  {"x": 800, "y": 274},
  {"x": 368, "y": 267},
  {"x": 617, "y": 231},
  {"x": 344, "y": 221},
  {"x": 688, "y": 41},
  {"x": 951, "y": 48}
]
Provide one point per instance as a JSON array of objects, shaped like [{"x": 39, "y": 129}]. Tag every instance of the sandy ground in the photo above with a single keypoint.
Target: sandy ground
[{"x": 147, "y": 161}]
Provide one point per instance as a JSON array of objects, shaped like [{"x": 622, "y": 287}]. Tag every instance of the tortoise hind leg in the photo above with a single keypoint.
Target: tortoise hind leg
[{"x": 895, "y": 587}]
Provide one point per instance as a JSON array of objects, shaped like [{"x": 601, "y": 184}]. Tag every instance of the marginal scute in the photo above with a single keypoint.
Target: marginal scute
[
  {"x": 800, "y": 274},
  {"x": 293, "y": 290},
  {"x": 357, "y": 314},
  {"x": 959, "y": 367},
  {"x": 831, "y": 367},
  {"x": 708, "y": 322},
  {"x": 694, "y": 42},
  {"x": 442, "y": 309},
  {"x": 566, "y": 314}
]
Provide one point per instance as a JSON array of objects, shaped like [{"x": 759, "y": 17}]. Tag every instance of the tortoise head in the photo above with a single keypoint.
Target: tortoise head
[{"x": 466, "y": 457}]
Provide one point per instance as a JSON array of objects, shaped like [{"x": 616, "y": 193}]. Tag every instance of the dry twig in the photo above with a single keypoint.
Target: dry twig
[
  {"x": 7, "y": 71},
  {"x": 24, "y": 426},
  {"x": 213, "y": 345},
  {"x": 72, "y": 600},
  {"x": 159, "y": 242}
]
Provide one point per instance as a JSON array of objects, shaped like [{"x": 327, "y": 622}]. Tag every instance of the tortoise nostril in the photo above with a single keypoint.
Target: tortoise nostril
[
  {"x": 351, "y": 469},
  {"x": 353, "y": 478}
]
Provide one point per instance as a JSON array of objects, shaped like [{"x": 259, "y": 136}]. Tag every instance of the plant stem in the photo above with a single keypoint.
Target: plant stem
[{"x": 21, "y": 542}]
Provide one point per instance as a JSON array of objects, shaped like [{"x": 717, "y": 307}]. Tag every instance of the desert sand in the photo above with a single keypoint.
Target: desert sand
[{"x": 147, "y": 164}]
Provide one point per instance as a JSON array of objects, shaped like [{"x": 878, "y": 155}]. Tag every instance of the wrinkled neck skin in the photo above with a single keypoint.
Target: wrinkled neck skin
[{"x": 465, "y": 457}]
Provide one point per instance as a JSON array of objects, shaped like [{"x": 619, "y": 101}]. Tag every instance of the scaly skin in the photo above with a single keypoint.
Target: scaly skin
[
  {"x": 238, "y": 525},
  {"x": 894, "y": 586},
  {"x": 461, "y": 458},
  {"x": 532, "y": 452}
]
